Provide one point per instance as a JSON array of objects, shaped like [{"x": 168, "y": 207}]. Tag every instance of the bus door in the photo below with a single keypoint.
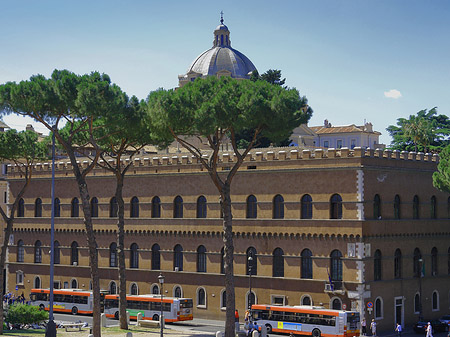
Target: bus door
[{"x": 341, "y": 324}]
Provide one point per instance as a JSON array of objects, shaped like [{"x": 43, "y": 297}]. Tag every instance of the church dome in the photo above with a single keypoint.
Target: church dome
[{"x": 220, "y": 60}]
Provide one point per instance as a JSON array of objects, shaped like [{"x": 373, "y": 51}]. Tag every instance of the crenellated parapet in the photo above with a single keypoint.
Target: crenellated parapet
[{"x": 226, "y": 159}]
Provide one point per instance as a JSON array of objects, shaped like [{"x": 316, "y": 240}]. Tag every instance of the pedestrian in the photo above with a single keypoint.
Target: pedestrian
[
  {"x": 429, "y": 330},
  {"x": 398, "y": 328},
  {"x": 373, "y": 327},
  {"x": 236, "y": 320},
  {"x": 363, "y": 327}
]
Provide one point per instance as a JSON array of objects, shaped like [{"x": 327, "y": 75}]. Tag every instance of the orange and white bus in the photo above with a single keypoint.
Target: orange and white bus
[
  {"x": 306, "y": 320},
  {"x": 75, "y": 301},
  {"x": 174, "y": 309}
]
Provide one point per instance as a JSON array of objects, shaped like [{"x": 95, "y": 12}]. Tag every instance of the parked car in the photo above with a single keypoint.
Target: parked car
[
  {"x": 445, "y": 319},
  {"x": 437, "y": 326}
]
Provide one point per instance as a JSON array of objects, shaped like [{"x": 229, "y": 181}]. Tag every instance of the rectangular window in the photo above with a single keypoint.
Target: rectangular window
[
  {"x": 277, "y": 299},
  {"x": 353, "y": 143},
  {"x": 326, "y": 144},
  {"x": 339, "y": 143},
  {"x": 19, "y": 277}
]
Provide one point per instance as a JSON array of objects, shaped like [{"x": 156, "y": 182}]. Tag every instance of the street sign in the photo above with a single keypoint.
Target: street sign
[
  {"x": 344, "y": 306},
  {"x": 369, "y": 304},
  {"x": 17, "y": 288}
]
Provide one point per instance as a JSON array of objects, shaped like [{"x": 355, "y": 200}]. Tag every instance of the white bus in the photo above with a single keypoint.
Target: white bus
[
  {"x": 174, "y": 309},
  {"x": 75, "y": 301},
  {"x": 306, "y": 320}
]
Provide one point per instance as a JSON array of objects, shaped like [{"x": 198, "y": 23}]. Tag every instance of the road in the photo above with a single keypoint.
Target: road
[{"x": 210, "y": 327}]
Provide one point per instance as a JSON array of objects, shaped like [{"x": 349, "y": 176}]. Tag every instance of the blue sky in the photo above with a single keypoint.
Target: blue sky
[{"x": 354, "y": 60}]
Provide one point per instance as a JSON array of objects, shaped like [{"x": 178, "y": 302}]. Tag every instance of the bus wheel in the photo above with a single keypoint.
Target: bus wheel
[
  {"x": 316, "y": 333},
  {"x": 155, "y": 317},
  {"x": 116, "y": 315},
  {"x": 41, "y": 307},
  {"x": 74, "y": 310},
  {"x": 269, "y": 328}
]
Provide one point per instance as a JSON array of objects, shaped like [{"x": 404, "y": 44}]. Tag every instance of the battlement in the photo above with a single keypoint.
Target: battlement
[{"x": 255, "y": 156}]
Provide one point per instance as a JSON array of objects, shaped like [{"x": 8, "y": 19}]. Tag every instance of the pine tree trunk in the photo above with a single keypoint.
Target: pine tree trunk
[
  {"x": 121, "y": 253},
  {"x": 228, "y": 260}
]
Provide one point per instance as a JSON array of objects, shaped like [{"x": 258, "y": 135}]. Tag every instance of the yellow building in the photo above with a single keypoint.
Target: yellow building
[{"x": 338, "y": 228}]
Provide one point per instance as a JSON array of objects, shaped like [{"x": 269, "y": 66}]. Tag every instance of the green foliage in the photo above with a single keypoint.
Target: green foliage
[
  {"x": 25, "y": 314},
  {"x": 207, "y": 107},
  {"x": 21, "y": 146},
  {"x": 441, "y": 178},
  {"x": 425, "y": 132}
]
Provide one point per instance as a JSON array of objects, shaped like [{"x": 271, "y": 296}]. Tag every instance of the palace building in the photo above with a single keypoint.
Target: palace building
[{"x": 352, "y": 228}]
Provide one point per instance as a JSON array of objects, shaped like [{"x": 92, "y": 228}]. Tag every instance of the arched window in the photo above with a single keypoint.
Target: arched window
[
  {"x": 75, "y": 208},
  {"x": 433, "y": 205},
  {"x": 377, "y": 207},
  {"x": 377, "y": 265},
  {"x": 113, "y": 208},
  {"x": 21, "y": 251},
  {"x": 250, "y": 299},
  {"x": 306, "y": 207},
  {"x": 417, "y": 263},
  {"x": 398, "y": 264},
  {"x": 222, "y": 261},
  {"x": 156, "y": 257},
  {"x": 178, "y": 207},
  {"x": 74, "y": 284},
  {"x": 223, "y": 300},
  {"x": 38, "y": 252},
  {"x": 94, "y": 207},
  {"x": 38, "y": 208},
  {"x": 134, "y": 256},
  {"x": 37, "y": 282},
  {"x": 435, "y": 301},
  {"x": 134, "y": 208},
  {"x": 56, "y": 253},
  {"x": 448, "y": 263},
  {"x": 335, "y": 207},
  {"x": 252, "y": 207},
  {"x": 201, "y": 207},
  {"x": 113, "y": 288},
  {"x": 278, "y": 207},
  {"x": 178, "y": 258},
  {"x": 306, "y": 264},
  {"x": 397, "y": 214},
  {"x": 177, "y": 292},
  {"x": 336, "y": 265},
  {"x": 417, "y": 304},
  {"x": 448, "y": 208},
  {"x": 336, "y": 304},
  {"x": 134, "y": 289},
  {"x": 201, "y": 259},
  {"x": 113, "y": 254},
  {"x": 57, "y": 208},
  {"x": 155, "y": 290},
  {"x": 306, "y": 300},
  {"x": 416, "y": 207},
  {"x": 201, "y": 297},
  {"x": 378, "y": 308},
  {"x": 252, "y": 262},
  {"x": 278, "y": 263},
  {"x": 21, "y": 208},
  {"x": 74, "y": 253},
  {"x": 156, "y": 207},
  {"x": 434, "y": 261}
]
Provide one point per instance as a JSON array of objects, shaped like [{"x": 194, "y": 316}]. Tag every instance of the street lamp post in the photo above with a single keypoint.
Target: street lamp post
[
  {"x": 51, "y": 326},
  {"x": 250, "y": 262},
  {"x": 161, "y": 317},
  {"x": 420, "y": 288}
]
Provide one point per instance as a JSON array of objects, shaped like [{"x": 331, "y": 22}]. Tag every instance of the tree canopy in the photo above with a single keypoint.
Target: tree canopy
[
  {"x": 425, "y": 132},
  {"x": 215, "y": 110},
  {"x": 441, "y": 178}
]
